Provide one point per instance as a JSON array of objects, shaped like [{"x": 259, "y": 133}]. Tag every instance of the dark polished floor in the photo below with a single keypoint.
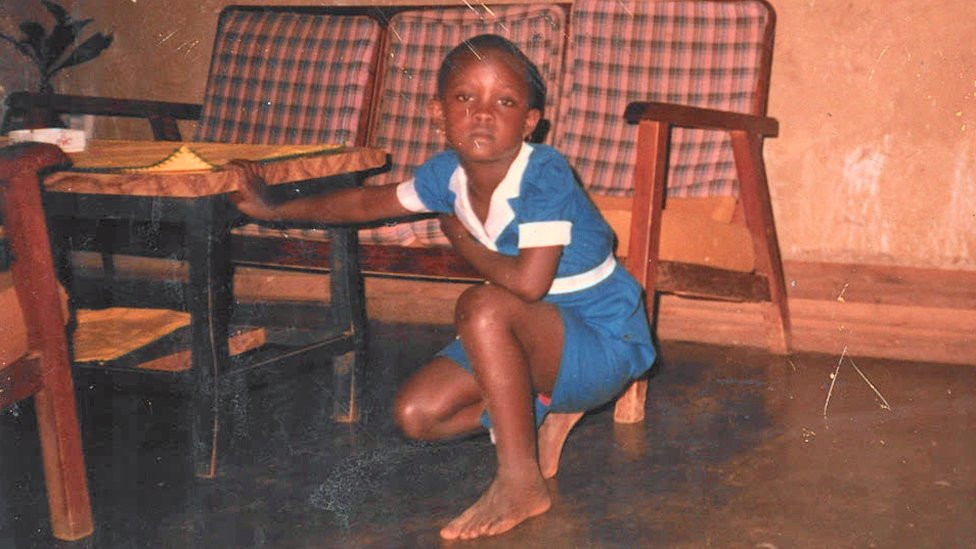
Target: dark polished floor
[{"x": 735, "y": 452}]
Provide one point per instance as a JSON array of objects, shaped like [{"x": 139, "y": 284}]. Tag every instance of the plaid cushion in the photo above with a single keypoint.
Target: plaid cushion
[
  {"x": 288, "y": 77},
  {"x": 417, "y": 43},
  {"x": 704, "y": 54}
]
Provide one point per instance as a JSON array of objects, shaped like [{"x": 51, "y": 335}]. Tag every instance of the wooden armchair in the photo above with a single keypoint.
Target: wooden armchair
[
  {"x": 693, "y": 76},
  {"x": 33, "y": 346}
]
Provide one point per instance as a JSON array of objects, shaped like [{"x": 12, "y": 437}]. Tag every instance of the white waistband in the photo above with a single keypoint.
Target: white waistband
[{"x": 582, "y": 281}]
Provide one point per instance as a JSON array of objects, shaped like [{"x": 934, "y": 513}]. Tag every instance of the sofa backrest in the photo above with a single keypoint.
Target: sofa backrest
[
  {"x": 417, "y": 41},
  {"x": 596, "y": 56},
  {"x": 290, "y": 76},
  {"x": 712, "y": 54}
]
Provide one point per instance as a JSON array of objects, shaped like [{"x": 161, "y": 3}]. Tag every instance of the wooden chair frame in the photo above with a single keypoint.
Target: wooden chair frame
[
  {"x": 655, "y": 121},
  {"x": 45, "y": 372}
]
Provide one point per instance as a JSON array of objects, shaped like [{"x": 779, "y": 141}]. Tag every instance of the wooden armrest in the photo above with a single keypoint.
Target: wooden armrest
[
  {"x": 106, "y": 106},
  {"x": 162, "y": 115},
  {"x": 696, "y": 117}
]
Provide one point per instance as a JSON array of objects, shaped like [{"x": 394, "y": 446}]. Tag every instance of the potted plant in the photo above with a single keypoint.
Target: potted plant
[{"x": 57, "y": 49}]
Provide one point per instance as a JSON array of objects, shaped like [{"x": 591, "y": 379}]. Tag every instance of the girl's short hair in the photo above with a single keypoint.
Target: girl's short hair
[{"x": 493, "y": 42}]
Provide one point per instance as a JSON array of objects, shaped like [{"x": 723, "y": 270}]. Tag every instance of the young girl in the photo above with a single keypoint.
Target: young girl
[{"x": 557, "y": 329}]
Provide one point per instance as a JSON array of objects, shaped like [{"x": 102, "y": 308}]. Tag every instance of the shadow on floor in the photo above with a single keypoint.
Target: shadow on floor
[{"x": 735, "y": 452}]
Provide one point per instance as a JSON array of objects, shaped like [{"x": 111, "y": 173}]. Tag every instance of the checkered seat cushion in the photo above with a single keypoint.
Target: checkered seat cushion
[
  {"x": 281, "y": 77},
  {"x": 704, "y": 54},
  {"x": 289, "y": 77},
  {"x": 417, "y": 43}
]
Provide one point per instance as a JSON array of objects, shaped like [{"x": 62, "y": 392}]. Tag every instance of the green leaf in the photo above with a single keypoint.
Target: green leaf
[
  {"x": 88, "y": 50},
  {"x": 20, "y": 47},
  {"x": 34, "y": 39},
  {"x": 61, "y": 37},
  {"x": 59, "y": 13}
]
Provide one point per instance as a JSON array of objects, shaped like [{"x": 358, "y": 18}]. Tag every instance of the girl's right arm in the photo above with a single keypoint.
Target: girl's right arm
[{"x": 354, "y": 205}]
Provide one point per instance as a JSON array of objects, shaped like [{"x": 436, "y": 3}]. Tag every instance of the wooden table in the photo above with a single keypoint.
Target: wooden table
[{"x": 108, "y": 183}]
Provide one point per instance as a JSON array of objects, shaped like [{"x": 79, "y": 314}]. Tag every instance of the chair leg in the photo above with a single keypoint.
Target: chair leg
[
  {"x": 778, "y": 330},
  {"x": 645, "y": 241},
  {"x": 630, "y": 405},
  {"x": 754, "y": 193},
  {"x": 64, "y": 464},
  {"x": 57, "y": 417}
]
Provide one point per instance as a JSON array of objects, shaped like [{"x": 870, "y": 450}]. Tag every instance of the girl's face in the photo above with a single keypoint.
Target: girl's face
[{"x": 483, "y": 110}]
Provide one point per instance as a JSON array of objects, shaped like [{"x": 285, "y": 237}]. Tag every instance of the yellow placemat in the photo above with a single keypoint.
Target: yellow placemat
[
  {"x": 107, "y": 334},
  {"x": 166, "y": 157},
  {"x": 183, "y": 159}
]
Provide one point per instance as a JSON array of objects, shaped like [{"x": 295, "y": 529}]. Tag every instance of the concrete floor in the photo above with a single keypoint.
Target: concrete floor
[{"x": 736, "y": 451}]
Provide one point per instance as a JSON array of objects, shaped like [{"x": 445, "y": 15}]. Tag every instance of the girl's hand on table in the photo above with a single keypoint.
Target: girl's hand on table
[{"x": 250, "y": 195}]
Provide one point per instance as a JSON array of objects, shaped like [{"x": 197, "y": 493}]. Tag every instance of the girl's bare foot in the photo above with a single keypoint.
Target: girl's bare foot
[
  {"x": 552, "y": 435},
  {"x": 504, "y": 505}
]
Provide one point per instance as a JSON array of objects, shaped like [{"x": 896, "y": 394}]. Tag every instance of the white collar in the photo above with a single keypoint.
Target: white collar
[{"x": 500, "y": 212}]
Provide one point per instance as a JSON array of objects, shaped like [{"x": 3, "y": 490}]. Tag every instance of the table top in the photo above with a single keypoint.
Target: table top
[{"x": 195, "y": 169}]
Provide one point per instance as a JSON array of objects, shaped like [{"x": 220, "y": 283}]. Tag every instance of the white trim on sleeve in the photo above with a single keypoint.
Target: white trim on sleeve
[
  {"x": 407, "y": 195},
  {"x": 545, "y": 233}
]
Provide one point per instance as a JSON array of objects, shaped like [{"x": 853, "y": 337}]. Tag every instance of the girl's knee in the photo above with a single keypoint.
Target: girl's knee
[
  {"x": 483, "y": 306},
  {"x": 411, "y": 416}
]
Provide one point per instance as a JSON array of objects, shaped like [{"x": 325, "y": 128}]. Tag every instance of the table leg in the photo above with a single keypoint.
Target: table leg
[
  {"x": 209, "y": 302},
  {"x": 348, "y": 309},
  {"x": 105, "y": 236},
  {"x": 61, "y": 244}
]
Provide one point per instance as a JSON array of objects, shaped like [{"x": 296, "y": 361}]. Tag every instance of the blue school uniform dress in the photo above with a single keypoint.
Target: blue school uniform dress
[{"x": 606, "y": 340}]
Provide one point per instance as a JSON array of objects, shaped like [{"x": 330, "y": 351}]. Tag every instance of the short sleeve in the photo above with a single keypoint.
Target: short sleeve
[
  {"x": 548, "y": 196},
  {"x": 429, "y": 191},
  {"x": 408, "y": 197}
]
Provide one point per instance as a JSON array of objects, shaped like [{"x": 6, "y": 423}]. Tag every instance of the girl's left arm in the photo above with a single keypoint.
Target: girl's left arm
[{"x": 528, "y": 275}]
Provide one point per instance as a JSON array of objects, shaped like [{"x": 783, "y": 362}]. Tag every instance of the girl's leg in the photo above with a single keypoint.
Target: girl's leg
[
  {"x": 552, "y": 435},
  {"x": 514, "y": 348},
  {"x": 441, "y": 400}
]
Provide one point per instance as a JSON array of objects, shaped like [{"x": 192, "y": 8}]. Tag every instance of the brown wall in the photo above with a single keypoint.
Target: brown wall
[
  {"x": 15, "y": 73},
  {"x": 876, "y": 160},
  {"x": 877, "y": 153}
]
